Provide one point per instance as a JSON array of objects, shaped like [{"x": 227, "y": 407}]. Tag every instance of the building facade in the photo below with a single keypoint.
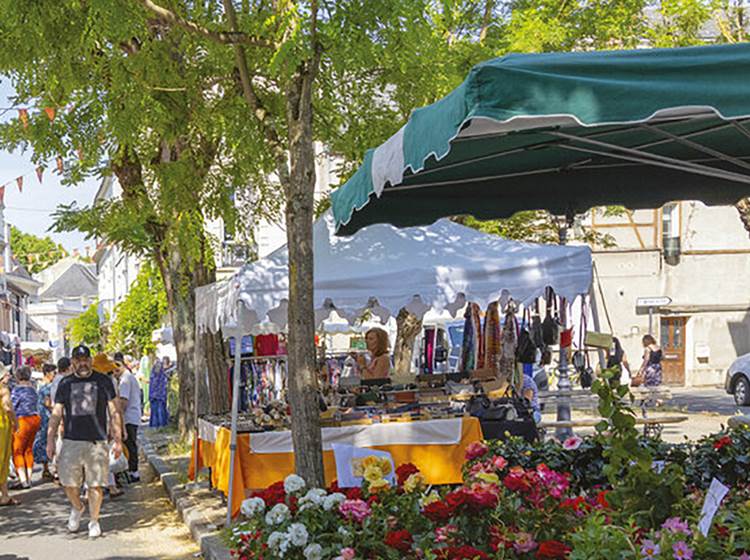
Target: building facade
[{"x": 696, "y": 256}]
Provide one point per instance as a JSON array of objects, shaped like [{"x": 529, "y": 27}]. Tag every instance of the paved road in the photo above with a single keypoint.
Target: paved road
[
  {"x": 707, "y": 400},
  {"x": 138, "y": 526}
]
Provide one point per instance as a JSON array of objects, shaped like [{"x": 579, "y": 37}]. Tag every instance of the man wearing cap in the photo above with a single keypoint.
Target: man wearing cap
[
  {"x": 130, "y": 404},
  {"x": 85, "y": 397}
]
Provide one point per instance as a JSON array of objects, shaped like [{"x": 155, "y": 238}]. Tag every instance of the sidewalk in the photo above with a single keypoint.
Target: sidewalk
[{"x": 200, "y": 508}]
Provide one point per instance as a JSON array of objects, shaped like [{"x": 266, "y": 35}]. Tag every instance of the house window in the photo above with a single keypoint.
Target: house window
[{"x": 670, "y": 228}]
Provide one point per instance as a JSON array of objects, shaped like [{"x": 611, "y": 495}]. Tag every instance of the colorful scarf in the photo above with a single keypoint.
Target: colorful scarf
[
  {"x": 472, "y": 338},
  {"x": 492, "y": 343}
]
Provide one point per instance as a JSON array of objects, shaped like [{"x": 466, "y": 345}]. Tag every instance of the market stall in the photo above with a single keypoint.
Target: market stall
[{"x": 380, "y": 269}]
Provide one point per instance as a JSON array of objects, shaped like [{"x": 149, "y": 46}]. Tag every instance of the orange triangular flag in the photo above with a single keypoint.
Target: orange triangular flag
[
  {"x": 2, "y": 195},
  {"x": 39, "y": 173},
  {"x": 50, "y": 113},
  {"x": 59, "y": 165},
  {"x": 23, "y": 114},
  {"x": 19, "y": 182}
]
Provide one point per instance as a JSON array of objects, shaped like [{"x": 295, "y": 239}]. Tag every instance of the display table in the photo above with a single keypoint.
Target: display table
[{"x": 436, "y": 447}]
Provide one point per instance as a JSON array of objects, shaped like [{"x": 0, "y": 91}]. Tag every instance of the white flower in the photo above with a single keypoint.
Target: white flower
[
  {"x": 314, "y": 496},
  {"x": 278, "y": 514},
  {"x": 298, "y": 534},
  {"x": 343, "y": 531},
  {"x": 333, "y": 500},
  {"x": 253, "y": 506},
  {"x": 294, "y": 484},
  {"x": 284, "y": 546},
  {"x": 314, "y": 552},
  {"x": 275, "y": 539}
]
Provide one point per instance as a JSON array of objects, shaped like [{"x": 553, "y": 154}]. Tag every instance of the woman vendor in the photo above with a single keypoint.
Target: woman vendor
[{"x": 379, "y": 366}]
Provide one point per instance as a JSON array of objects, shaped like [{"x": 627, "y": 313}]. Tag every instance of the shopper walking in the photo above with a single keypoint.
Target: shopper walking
[
  {"x": 130, "y": 405},
  {"x": 26, "y": 406},
  {"x": 85, "y": 398},
  {"x": 45, "y": 408},
  {"x": 8, "y": 425},
  {"x": 157, "y": 394}
]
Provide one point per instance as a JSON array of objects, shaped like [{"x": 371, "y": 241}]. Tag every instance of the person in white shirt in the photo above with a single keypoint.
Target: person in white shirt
[{"x": 130, "y": 405}]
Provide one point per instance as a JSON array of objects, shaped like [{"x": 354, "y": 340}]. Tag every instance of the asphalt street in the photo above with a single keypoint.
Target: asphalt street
[
  {"x": 137, "y": 526},
  {"x": 706, "y": 400}
]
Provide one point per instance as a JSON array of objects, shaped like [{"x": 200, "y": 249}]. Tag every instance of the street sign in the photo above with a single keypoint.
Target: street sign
[{"x": 653, "y": 301}]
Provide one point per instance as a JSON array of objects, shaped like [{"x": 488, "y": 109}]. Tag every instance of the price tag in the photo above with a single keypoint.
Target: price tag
[{"x": 715, "y": 495}]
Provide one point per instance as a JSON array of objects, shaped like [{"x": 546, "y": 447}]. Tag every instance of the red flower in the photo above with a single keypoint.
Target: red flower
[
  {"x": 552, "y": 550},
  {"x": 373, "y": 499},
  {"x": 483, "y": 497},
  {"x": 400, "y": 540},
  {"x": 723, "y": 531},
  {"x": 272, "y": 495},
  {"x": 354, "y": 494},
  {"x": 405, "y": 471},
  {"x": 517, "y": 481},
  {"x": 457, "y": 498},
  {"x": 334, "y": 487},
  {"x": 722, "y": 443},
  {"x": 464, "y": 552},
  {"x": 476, "y": 450},
  {"x": 601, "y": 499},
  {"x": 437, "y": 511}
]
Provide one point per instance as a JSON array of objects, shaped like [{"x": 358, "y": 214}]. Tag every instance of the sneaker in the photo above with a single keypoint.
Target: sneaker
[
  {"x": 95, "y": 529},
  {"x": 74, "y": 519},
  {"x": 134, "y": 477}
]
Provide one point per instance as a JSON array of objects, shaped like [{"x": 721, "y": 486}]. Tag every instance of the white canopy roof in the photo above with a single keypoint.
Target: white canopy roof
[{"x": 385, "y": 268}]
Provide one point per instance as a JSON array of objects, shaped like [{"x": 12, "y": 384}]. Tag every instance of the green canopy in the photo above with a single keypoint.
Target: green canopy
[{"x": 565, "y": 132}]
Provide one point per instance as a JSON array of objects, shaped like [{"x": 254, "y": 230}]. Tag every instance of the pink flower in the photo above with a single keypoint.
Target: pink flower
[
  {"x": 476, "y": 450},
  {"x": 357, "y": 510},
  {"x": 649, "y": 549},
  {"x": 499, "y": 462},
  {"x": 744, "y": 556},
  {"x": 524, "y": 543},
  {"x": 446, "y": 533},
  {"x": 682, "y": 551},
  {"x": 347, "y": 553},
  {"x": 572, "y": 443},
  {"x": 676, "y": 525}
]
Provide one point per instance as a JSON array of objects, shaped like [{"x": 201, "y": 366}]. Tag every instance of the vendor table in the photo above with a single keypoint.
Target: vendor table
[{"x": 436, "y": 447}]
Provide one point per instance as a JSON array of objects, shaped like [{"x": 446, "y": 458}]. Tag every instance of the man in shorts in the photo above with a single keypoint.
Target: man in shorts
[{"x": 84, "y": 398}]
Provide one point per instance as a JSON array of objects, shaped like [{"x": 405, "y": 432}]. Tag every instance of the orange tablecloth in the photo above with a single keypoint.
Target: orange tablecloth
[{"x": 440, "y": 464}]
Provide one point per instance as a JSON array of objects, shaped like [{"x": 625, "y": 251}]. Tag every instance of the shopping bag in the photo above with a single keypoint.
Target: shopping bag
[{"x": 117, "y": 464}]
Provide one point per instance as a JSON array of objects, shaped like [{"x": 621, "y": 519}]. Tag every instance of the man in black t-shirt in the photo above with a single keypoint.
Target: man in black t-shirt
[{"x": 86, "y": 398}]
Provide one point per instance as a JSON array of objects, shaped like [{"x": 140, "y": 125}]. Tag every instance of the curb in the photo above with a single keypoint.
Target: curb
[{"x": 205, "y": 533}]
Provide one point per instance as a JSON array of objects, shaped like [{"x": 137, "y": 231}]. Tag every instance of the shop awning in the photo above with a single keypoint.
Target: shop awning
[
  {"x": 565, "y": 132},
  {"x": 438, "y": 266}
]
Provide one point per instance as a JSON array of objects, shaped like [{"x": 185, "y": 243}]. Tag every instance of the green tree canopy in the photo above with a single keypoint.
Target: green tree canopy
[
  {"x": 86, "y": 329},
  {"x": 139, "y": 314},
  {"x": 33, "y": 252}
]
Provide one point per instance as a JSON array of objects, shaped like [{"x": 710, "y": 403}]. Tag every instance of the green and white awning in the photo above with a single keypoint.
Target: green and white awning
[{"x": 565, "y": 132}]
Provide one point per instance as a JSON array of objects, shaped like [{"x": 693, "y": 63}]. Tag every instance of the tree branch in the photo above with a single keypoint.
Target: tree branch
[{"x": 233, "y": 37}]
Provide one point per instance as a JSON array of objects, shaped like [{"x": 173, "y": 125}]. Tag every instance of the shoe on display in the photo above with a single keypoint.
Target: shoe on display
[
  {"x": 95, "y": 529},
  {"x": 74, "y": 519}
]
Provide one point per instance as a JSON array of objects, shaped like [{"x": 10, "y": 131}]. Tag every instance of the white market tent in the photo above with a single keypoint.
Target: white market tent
[
  {"x": 382, "y": 268},
  {"x": 437, "y": 266}
]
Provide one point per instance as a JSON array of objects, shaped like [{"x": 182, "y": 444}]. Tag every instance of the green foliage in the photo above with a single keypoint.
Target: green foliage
[
  {"x": 35, "y": 253},
  {"x": 600, "y": 539},
  {"x": 86, "y": 329},
  {"x": 139, "y": 314}
]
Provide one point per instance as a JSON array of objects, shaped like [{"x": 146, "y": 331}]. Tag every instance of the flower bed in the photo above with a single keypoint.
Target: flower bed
[{"x": 515, "y": 503}]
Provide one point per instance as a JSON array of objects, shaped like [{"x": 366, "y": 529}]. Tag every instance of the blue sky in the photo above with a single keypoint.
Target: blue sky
[{"x": 31, "y": 210}]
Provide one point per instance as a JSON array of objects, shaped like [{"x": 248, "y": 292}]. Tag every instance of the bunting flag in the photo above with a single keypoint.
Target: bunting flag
[
  {"x": 60, "y": 165},
  {"x": 23, "y": 114},
  {"x": 2, "y": 195},
  {"x": 50, "y": 113},
  {"x": 19, "y": 182},
  {"x": 39, "y": 173}
]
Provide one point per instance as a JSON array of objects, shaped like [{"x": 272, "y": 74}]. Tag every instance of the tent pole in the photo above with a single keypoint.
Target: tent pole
[
  {"x": 597, "y": 325},
  {"x": 235, "y": 407},
  {"x": 196, "y": 395},
  {"x": 563, "y": 380}
]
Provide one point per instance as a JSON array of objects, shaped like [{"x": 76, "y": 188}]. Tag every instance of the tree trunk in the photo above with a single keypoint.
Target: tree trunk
[
  {"x": 300, "y": 194},
  {"x": 408, "y": 327},
  {"x": 743, "y": 207}
]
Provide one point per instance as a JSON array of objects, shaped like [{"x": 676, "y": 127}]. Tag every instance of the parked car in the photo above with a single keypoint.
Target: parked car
[{"x": 737, "y": 381}]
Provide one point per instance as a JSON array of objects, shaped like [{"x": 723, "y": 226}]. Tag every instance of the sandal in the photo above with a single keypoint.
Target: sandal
[{"x": 10, "y": 502}]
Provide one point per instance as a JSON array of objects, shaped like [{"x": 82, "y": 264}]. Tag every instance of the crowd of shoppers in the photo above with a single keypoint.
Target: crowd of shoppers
[{"x": 76, "y": 423}]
